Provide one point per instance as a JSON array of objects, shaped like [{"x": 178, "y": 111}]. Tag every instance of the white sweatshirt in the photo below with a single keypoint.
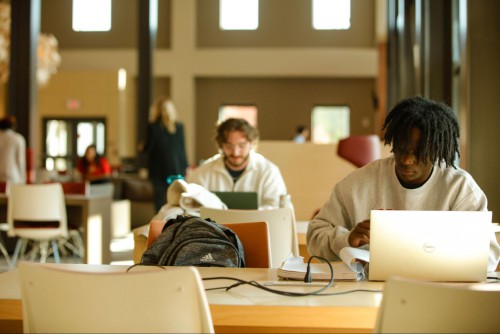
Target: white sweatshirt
[
  {"x": 260, "y": 175},
  {"x": 12, "y": 156},
  {"x": 376, "y": 186}
]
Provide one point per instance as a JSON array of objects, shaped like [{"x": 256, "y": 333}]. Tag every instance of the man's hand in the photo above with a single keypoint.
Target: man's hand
[{"x": 360, "y": 235}]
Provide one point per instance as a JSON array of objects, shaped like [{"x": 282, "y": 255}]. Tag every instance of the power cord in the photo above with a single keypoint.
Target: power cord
[{"x": 307, "y": 279}]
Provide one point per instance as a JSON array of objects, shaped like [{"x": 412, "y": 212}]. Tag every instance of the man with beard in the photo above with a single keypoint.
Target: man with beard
[
  {"x": 238, "y": 167},
  {"x": 421, "y": 175}
]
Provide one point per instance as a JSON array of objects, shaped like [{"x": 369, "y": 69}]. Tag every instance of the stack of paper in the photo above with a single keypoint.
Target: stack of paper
[{"x": 294, "y": 268}]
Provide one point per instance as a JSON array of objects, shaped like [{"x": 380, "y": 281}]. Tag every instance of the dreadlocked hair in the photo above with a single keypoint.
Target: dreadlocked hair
[{"x": 438, "y": 125}]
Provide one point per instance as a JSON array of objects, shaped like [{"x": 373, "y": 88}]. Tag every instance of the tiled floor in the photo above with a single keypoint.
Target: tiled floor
[{"x": 121, "y": 252}]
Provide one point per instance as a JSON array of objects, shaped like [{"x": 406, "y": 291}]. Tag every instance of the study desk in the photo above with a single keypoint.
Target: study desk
[
  {"x": 91, "y": 212},
  {"x": 245, "y": 308}
]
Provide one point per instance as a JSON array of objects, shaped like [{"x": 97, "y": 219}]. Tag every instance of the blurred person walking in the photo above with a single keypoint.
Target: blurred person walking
[
  {"x": 165, "y": 146},
  {"x": 12, "y": 152}
]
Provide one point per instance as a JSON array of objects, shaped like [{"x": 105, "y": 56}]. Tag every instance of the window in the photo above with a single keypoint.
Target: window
[
  {"x": 330, "y": 124},
  {"x": 331, "y": 14},
  {"x": 239, "y": 14},
  {"x": 67, "y": 139},
  {"x": 248, "y": 113},
  {"x": 91, "y": 15}
]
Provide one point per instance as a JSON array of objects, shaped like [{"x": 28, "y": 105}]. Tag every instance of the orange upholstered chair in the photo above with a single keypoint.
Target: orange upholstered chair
[{"x": 253, "y": 235}]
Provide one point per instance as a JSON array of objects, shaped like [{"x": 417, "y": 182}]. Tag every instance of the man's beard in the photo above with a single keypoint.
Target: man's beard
[{"x": 238, "y": 166}]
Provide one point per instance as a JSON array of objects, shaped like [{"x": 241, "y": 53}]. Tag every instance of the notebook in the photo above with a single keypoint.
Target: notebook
[
  {"x": 430, "y": 245},
  {"x": 239, "y": 200}
]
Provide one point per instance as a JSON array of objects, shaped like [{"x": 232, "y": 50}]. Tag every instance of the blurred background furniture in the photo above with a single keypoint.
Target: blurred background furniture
[
  {"x": 139, "y": 192},
  {"x": 4, "y": 227},
  {"x": 281, "y": 222},
  {"x": 37, "y": 212},
  {"x": 143, "y": 300},
  {"x": 410, "y": 306},
  {"x": 360, "y": 150}
]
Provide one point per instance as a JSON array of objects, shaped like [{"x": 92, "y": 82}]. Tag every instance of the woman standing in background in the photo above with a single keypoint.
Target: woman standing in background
[{"x": 165, "y": 146}]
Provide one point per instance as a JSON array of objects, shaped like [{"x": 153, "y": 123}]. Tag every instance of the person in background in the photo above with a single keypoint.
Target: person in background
[
  {"x": 93, "y": 167},
  {"x": 238, "y": 167},
  {"x": 12, "y": 152},
  {"x": 421, "y": 175},
  {"x": 165, "y": 147},
  {"x": 301, "y": 134}
]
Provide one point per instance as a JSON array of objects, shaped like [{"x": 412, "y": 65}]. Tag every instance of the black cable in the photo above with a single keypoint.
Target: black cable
[{"x": 307, "y": 279}]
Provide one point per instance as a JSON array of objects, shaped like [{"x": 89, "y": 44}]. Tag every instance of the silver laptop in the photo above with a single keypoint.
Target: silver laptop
[{"x": 430, "y": 245}]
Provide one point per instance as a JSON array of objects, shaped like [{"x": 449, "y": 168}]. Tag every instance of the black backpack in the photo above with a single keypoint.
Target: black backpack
[{"x": 193, "y": 241}]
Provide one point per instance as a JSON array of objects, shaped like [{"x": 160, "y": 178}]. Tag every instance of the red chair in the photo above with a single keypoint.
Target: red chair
[
  {"x": 360, "y": 150},
  {"x": 76, "y": 188}
]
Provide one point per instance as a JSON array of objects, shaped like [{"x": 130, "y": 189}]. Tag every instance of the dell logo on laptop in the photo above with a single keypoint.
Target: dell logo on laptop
[{"x": 429, "y": 247}]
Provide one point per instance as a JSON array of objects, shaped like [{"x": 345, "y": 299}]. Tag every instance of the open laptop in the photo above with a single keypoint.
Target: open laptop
[
  {"x": 430, "y": 245},
  {"x": 239, "y": 200}
]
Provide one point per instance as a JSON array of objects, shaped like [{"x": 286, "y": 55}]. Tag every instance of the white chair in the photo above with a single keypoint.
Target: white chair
[
  {"x": 144, "y": 300},
  {"x": 37, "y": 212},
  {"x": 282, "y": 229},
  {"x": 410, "y": 306}
]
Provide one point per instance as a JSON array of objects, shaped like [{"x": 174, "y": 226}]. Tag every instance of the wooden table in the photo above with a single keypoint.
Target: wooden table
[
  {"x": 91, "y": 212},
  {"x": 245, "y": 308}
]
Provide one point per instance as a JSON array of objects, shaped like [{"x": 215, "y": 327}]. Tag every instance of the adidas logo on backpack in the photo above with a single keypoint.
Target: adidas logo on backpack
[{"x": 207, "y": 258}]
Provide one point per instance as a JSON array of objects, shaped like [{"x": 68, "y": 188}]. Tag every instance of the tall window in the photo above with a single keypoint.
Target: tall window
[
  {"x": 239, "y": 14},
  {"x": 330, "y": 124},
  {"x": 91, "y": 15},
  {"x": 331, "y": 14},
  {"x": 248, "y": 113}
]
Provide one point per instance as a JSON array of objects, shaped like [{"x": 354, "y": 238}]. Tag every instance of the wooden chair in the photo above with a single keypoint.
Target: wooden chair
[
  {"x": 410, "y": 306},
  {"x": 143, "y": 300},
  {"x": 253, "y": 235}
]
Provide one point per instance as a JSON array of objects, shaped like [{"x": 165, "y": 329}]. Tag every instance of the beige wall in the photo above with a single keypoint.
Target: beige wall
[
  {"x": 282, "y": 104},
  {"x": 98, "y": 95}
]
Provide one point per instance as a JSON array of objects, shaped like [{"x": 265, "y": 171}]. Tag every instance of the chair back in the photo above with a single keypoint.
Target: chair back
[
  {"x": 410, "y": 306},
  {"x": 282, "y": 229},
  {"x": 76, "y": 188},
  {"x": 143, "y": 300},
  {"x": 360, "y": 150},
  {"x": 35, "y": 206},
  {"x": 253, "y": 235}
]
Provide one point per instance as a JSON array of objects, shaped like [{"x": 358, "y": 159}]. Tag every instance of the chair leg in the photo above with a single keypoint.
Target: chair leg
[
  {"x": 78, "y": 243},
  {"x": 17, "y": 250},
  {"x": 4, "y": 251},
  {"x": 44, "y": 250},
  {"x": 57, "y": 259}
]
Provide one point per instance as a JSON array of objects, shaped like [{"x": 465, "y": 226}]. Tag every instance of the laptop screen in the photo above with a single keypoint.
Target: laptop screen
[
  {"x": 239, "y": 200},
  {"x": 430, "y": 245}
]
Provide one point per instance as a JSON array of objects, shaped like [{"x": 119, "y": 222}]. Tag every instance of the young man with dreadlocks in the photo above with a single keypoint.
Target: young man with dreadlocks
[{"x": 421, "y": 175}]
